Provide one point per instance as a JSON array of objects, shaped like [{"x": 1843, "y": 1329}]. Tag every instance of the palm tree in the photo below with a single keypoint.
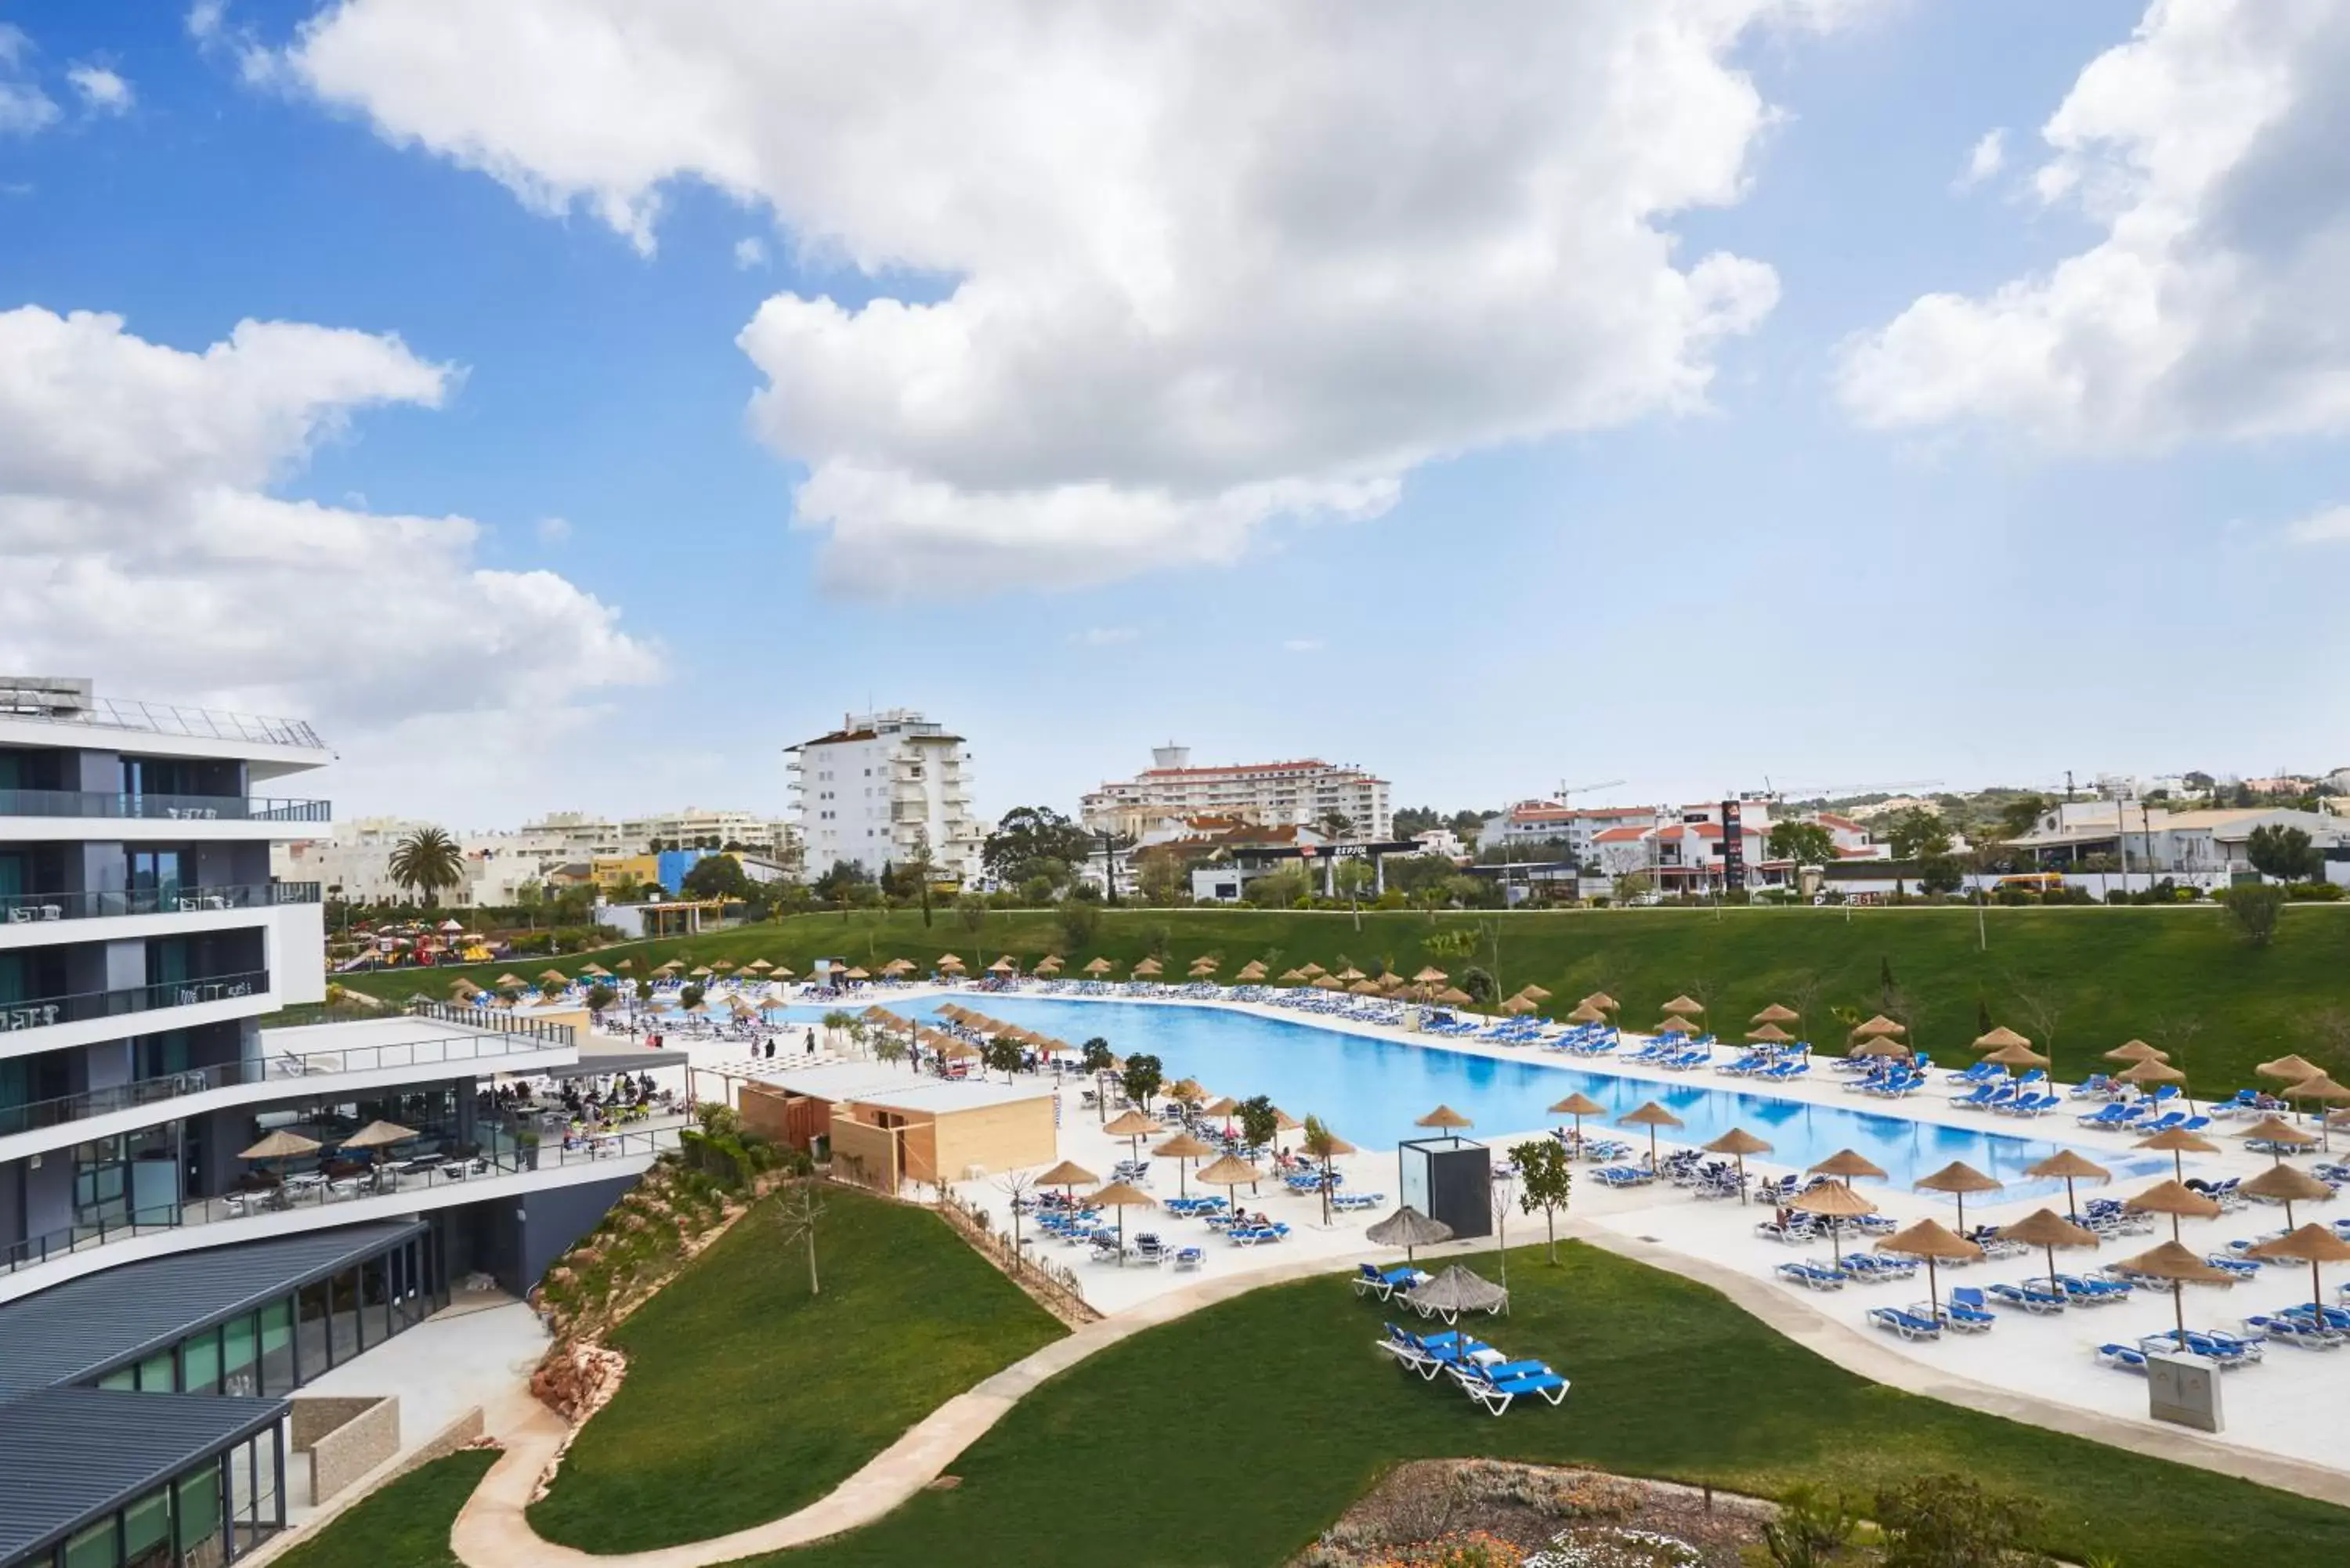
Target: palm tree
[{"x": 426, "y": 861}]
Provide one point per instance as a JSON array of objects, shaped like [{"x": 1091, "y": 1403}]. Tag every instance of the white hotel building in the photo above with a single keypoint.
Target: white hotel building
[
  {"x": 161, "y": 1293},
  {"x": 881, "y": 788},
  {"x": 1270, "y": 795}
]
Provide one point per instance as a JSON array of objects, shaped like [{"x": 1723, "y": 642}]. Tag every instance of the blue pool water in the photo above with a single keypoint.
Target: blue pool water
[{"x": 1369, "y": 1090}]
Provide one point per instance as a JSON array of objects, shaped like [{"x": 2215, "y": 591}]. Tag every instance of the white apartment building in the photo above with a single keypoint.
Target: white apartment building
[
  {"x": 698, "y": 827},
  {"x": 1271, "y": 794},
  {"x": 1539, "y": 826},
  {"x": 882, "y": 787}
]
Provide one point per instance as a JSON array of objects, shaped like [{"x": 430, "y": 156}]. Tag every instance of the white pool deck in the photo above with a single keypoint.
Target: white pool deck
[{"x": 2290, "y": 1406}]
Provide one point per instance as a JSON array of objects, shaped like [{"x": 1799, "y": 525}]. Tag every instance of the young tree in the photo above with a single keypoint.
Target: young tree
[
  {"x": 922, "y": 869},
  {"x": 1545, "y": 1180},
  {"x": 600, "y": 997},
  {"x": 690, "y": 997},
  {"x": 1095, "y": 1056},
  {"x": 797, "y": 1208},
  {"x": 2257, "y": 907},
  {"x": 1321, "y": 1144},
  {"x": 888, "y": 1047},
  {"x": 1028, "y": 833},
  {"x": 1163, "y": 876},
  {"x": 1000, "y": 1054},
  {"x": 1259, "y": 1123},
  {"x": 1354, "y": 878},
  {"x": 970, "y": 910},
  {"x": 716, "y": 876},
  {"x": 1142, "y": 1079}
]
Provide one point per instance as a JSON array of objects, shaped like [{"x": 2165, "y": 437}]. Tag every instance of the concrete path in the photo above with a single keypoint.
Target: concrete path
[{"x": 493, "y": 1531}]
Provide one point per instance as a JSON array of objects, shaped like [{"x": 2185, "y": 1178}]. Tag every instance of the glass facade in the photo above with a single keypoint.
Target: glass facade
[
  {"x": 212, "y": 1513},
  {"x": 281, "y": 1344}
]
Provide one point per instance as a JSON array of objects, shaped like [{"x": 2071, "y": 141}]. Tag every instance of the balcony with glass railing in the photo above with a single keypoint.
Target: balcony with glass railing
[
  {"x": 460, "y": 1053},
  {"x": 174, "y": 899},
  {"x": 391, "y": 1185},
  {"x": 131, "y": 805},
  {"x": 43, "y": 1012},
  {"x": 49, "y": 705}
]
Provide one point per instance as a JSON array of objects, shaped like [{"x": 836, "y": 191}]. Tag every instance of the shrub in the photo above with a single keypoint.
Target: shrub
[
  {"x": 2256, "y": 907},
  {"x": 2313, "y": 892},
  {"x": 1949, "y": 1522}
]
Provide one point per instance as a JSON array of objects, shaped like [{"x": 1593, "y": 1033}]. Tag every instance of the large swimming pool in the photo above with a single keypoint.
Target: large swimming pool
[{"x": 1369, "y": 1090}]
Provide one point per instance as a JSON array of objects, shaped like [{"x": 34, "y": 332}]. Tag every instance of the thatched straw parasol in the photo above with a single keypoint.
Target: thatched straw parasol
[
  {"x": 1066, "y": 1174},
  {"x": 1777, "y": 1012},
  {"x": 1098, "y": 966},
  {"x": 1179, "y": 1148},
  {"x": 2048, "y": 1232},
  {"x": 2290, "y": 1069},
  {"x": 2071, "y": 1168},
  {"x": 1835, "y": 1203},
  {"x": 2016, "y": 1056},
  {"x": 1880, "y": 1024},
  {"x": 379, "y": 1135},
  {"x": 281, "y": 1144},
  {"x": 1133, "y": 1126},
  {"x": 2136, "y": 1051},
  {"x": 1534, "y": 994},
  {"x": 1586, "y": 1013},
  {"x": 2175, "y": 1263},
  {"x": 1579, "y": 1105},
  {"x": 1446, "y": 1117},
  {"x": 1406, "y": 1228},
  {"x": 2275, "y": 1130},
  {"x": 1878, "y": 1045},
  {"x": 1739, "y": 1143},
  {"x": 1684, "y": 1007},
  {"x": 1999, "y": 1037},
  {"x": 1674, "y": 1024},
  {"x": 1929, "y": 1240},
  {"x": 1431, "y": 975},
  {"x": 1455, "y": 1291},
  {"x": 1651, "y": 1116},
  {"x": 1846, "y": 1165},
  {"x": 1518, "y": 1006},
  {"x": 1231, "y": 1173},
  {"x": 2311, "y": 1244},
  {"x": 1958, "y": 1179},
  {"x": 1121, "y": 1196},
  {"x": 1604, "y": 1002},
  {"x": 1769, "y": 1034},
  {"x": 2179, "y": 1143},
  {"x": 2176, "y": 1199},
  {"x": 2281, "y": 1183}
]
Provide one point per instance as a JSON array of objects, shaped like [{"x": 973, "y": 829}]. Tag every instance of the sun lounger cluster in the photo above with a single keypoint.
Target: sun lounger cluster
[
  {"x": 1964, "y": 1311},
  {"x": 1590, "y": 1146},
  {"x": 1775, "y": 1065},
  {"x": 1487, "y": 1375}
]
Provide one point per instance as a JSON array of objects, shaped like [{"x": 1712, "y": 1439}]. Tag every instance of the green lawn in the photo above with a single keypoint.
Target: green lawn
[
  {"x": 405, "y": 1525},
  {"x": 745, "y": 1399},
  {"x": 2180, "y": 976},
  {"x": 1235, "y": 1435}
]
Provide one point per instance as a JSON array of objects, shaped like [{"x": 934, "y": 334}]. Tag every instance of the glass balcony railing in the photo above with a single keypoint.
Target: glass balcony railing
[
  {"x": 390, "y": 1185},
  {"x": 495, "y": 1038},
  {"x": 45, "y": 1012},
  {"x": 155, "y": 718},
  {"x": 132, "y": 806},
  {"x": 36, "y": 909}
]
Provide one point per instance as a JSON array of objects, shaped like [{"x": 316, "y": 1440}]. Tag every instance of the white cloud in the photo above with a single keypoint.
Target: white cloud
[
  {"x": 1303, "y": 645},
  {"x": 2330, "y": 526},
  {"x": 1179, "y": 272},
  {"x": 1104, "y": 636},
  {"x": 1985, "y": 159},
  {"x": 25, "y": 108},
  {"x": 204, "y": 18},
  {"x": 102, "y": 91},
  {"x": 750, "y": 251},
  {"x": 144, "y": 545},
  {"x": 554, "y": 530},
  {"x": 2213, "y": 152}
]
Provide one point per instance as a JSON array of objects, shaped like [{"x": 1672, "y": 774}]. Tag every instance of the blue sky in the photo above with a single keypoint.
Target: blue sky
[{"x": 1851, "y": 556}]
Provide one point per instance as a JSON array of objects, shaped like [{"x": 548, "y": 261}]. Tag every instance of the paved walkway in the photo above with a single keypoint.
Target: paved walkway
[{"x": 493, "y": 1531}]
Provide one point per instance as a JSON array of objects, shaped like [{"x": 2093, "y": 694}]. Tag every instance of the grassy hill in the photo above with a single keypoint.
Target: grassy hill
[{"x": 2081, "y": 979}]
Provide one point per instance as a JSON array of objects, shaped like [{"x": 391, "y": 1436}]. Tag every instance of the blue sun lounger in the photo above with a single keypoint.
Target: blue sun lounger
[
  {"x": 2122, "y": 1358},
  {"x": 1907, "y": 1324},
  {"x": 1494, "y": 1390},
  {"x": 1964, "y": 1310},
  {"x": 2030, "y": 1298},
  {"x": 1385, "y": 1282},
  {"x": 1811, "y": 1276}
]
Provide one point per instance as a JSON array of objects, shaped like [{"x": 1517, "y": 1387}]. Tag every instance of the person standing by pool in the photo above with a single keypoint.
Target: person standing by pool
[{"x": 811, "y": 1043}]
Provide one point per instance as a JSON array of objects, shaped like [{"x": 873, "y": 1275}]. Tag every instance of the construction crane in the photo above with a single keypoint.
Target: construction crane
[{"x": 1566, "y": 793}]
